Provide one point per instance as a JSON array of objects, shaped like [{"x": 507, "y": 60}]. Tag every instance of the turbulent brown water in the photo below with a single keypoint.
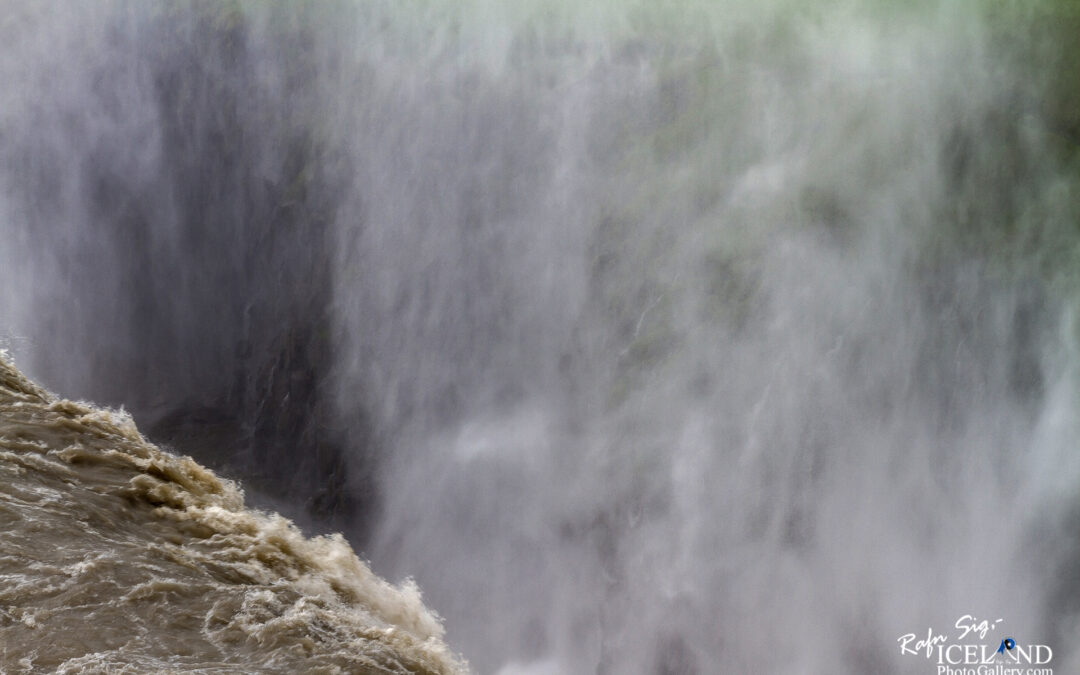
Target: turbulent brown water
[{"x": 119, "y": 557}]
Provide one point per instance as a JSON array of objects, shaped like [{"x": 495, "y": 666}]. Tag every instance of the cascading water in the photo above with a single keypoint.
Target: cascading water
[{"x": 648, "y": 337}]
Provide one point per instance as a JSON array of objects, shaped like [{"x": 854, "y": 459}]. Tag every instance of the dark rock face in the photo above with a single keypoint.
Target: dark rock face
[{"x": 186, "y": 200}]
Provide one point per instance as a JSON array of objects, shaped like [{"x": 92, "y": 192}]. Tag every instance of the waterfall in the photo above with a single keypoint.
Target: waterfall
[{"x": 647, "y": 337}]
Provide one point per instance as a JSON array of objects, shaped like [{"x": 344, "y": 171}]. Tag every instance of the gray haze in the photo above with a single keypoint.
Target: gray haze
[{"x": 647, "y": 337}]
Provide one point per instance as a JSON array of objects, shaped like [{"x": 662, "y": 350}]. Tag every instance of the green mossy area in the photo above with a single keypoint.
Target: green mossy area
[
  {"x": 1040, "y": 39},
  {"x": 1006, "y": 198}
]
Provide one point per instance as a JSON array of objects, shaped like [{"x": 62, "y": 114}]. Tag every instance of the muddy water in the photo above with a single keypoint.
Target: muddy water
[{"x": 116, "y": 556}]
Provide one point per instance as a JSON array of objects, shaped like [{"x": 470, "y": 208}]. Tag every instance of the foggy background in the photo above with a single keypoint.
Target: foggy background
[{"x": 668, "y": 337}]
